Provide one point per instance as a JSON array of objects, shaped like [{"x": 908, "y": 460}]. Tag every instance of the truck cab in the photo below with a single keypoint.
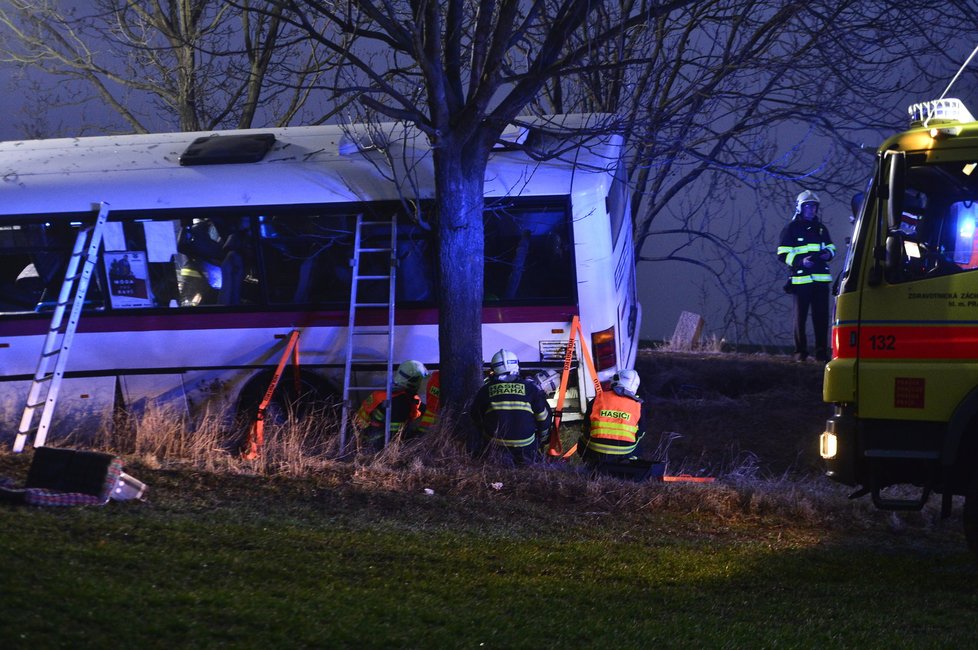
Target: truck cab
[{"x": 903, "y": 377}]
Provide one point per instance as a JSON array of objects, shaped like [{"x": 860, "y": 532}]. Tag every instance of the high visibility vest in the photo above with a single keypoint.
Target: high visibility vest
[
  {"x": 614, "y": 424},
  {"x": 432, "y": 394},
  {"x": 405, "y": 408}
]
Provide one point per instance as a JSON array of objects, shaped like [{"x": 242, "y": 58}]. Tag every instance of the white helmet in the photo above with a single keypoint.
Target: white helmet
[
  {"x": 628, "y": 380},
  {"x": 505, "y": 362},
  {"x": 807, "y": 196},
  {"x": 409, "y": 374}
]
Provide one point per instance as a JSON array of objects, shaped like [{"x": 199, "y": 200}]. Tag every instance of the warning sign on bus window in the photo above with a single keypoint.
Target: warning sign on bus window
[
  {"x": 908, "y": 392},
  {"x": 128, "y": 280}
]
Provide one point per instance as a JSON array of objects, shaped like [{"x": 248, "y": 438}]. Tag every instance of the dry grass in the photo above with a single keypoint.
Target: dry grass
[{"x": 705, "y": 410}]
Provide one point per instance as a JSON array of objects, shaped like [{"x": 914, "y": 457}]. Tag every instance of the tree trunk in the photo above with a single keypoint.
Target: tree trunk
[{"x": 461, "y": 249}]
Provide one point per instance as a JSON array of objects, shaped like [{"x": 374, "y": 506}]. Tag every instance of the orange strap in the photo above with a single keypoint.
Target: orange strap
[
  {"x": 556, "y": 447},
  {"x": 256, "y": 434},
  {"x": 686, "y": 478}
]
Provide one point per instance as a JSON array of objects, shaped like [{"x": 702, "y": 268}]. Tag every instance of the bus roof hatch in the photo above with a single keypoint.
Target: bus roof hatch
[{"x": 227, "y": 149}]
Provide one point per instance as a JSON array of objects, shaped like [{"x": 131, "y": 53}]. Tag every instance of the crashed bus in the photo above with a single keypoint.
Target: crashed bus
[{"x": 172, "y": 318}]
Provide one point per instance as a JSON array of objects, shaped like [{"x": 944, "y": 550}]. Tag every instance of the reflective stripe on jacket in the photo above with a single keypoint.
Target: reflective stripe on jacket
[
  {"x": 512, "y": 412},
  {"x": 614, "y": 424},
  {"x": 432, "y": 393},
  {"x": 800, "y": 239},
  {"x": 405, "y": 408}
]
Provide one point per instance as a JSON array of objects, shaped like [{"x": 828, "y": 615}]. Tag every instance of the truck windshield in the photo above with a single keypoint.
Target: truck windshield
[{"x": 937, "y": 222}]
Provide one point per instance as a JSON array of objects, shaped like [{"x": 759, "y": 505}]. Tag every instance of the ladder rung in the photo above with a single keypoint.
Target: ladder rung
[
  {"x": 373, "y": 249},
  {"x": 375, "y": 223},
  {"x": 372, "y": 304},
  {"x": 371, "y": 332},
  {"x": 366, "y": 387},
  {"x": 372, "y": 277},
  {"x": 52, "y": 353}
]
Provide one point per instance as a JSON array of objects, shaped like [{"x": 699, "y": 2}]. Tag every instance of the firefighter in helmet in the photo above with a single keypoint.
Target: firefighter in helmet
[
  {"x": 405, "y": 406},
  {"x": 511, "y": 412},
  {"x": 614, "y": 424},
  {"x": 430, "y": 394},
  {"x": 806, "y": 248}
]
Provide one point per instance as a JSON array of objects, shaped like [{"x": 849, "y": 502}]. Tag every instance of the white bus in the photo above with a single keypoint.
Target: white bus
[{"x": 218, "y": 245}]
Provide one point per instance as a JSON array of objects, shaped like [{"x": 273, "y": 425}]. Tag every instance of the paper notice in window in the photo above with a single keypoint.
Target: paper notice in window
[{"x": 161, "y": 240}]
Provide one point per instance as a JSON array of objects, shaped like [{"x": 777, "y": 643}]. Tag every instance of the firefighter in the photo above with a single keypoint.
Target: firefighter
[
  {"x": 405, "y": 407},
  {"x": 430, "y": 393},
  {"x": 512, "y": 413},
  {"x": 613, "y": 426},
  {"x": 806, "y": 248}
]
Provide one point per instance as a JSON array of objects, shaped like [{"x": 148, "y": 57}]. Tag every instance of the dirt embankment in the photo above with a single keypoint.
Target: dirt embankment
[{"x": 715, "y": 413}]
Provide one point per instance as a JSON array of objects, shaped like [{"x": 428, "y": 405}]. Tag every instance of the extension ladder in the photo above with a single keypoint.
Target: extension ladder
[
  {"x": 369, "y": 249},
  {"x": 57, "y": 343}
]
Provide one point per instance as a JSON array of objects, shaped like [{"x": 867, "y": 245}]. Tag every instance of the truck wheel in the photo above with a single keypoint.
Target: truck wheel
[{"x": 970, "y": 516}]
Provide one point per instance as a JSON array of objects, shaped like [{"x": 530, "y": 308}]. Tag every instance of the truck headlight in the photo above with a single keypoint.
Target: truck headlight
[{"x": 828, "y": 445}]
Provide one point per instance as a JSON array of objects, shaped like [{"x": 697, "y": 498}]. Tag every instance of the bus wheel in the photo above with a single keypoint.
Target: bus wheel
[
  {"x": 286, "y": 403},
  {"x": 970, "y": 516}
]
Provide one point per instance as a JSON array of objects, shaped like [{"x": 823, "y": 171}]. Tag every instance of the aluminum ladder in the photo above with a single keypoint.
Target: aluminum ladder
[
  {"x": 369, "y": 248},
  {"x": 46, "y": 384}
]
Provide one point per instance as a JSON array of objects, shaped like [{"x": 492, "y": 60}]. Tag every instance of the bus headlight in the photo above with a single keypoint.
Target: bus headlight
[{"x": 828, "y": 445}]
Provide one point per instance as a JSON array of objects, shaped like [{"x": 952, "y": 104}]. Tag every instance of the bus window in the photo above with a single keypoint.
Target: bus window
[
  {"x": 215, "y": 262},
  {"x": 528, "y": 254},
  {"x": 415, "y": 264},
  {"x": 33, "y": 262},
  {"x": 306, "y": 257},
  {"x": 139, "y": 263}
]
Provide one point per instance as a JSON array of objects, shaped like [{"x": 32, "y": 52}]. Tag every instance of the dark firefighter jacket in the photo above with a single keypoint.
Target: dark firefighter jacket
[
  {"x": 799, "y": 239},
  {"x": 512, "y": 412}
]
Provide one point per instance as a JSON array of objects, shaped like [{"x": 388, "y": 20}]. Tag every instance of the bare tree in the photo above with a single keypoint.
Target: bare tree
[
  {"x": 175, "y": 64},
  {"x": 461, "y": 71},
  {"x": 738, "y": 104}
]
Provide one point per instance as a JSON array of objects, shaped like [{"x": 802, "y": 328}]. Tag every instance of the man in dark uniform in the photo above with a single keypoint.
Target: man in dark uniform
[
  {"x": 806, "y": 248},
  {"x": 511, "y": 412}
]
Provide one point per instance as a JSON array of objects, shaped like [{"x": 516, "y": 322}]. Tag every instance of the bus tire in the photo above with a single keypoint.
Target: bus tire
[{"x": 312, "y": 395}]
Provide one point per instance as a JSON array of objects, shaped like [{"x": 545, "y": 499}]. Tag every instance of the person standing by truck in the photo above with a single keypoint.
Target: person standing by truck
[{"x": 806, "y": 248}]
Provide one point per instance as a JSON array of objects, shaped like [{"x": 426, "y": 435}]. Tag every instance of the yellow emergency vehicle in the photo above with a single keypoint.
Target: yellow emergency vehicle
[{"x": 904, "y": 371}]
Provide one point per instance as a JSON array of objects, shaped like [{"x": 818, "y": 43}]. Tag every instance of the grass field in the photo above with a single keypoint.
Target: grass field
[
  {"x": 359, "y": 555},
  {"x": 250, "y": 561}
]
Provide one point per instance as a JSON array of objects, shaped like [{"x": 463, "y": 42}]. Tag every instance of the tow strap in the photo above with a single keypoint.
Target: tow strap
[{"x": 556, "y": 448}]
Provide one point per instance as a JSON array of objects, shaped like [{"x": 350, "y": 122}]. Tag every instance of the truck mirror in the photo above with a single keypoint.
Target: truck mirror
[
  {"x": 895, "y": 183},
  {"x": 894, "y": 259}
]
